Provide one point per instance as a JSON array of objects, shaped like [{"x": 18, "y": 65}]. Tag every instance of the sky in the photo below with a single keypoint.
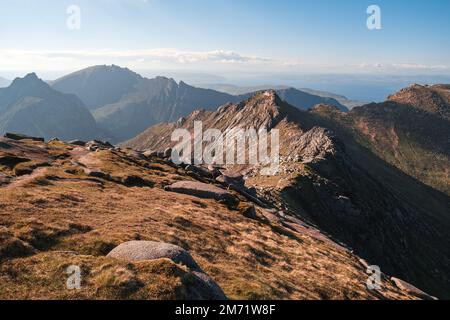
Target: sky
[{"x": 250, "y": 37}]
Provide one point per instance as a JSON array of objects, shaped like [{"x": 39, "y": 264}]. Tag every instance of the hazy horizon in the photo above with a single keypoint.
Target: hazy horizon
[{"x": 363, "y": 87}]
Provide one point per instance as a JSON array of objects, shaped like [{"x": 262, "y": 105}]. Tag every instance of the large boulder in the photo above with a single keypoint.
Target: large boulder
[
  {"x": 150, "y": 250},
  {"x": 203, "y": 190}
]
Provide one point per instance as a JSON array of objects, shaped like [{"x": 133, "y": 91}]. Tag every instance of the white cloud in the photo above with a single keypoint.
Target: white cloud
[
  {"x": 172, "y": 58},
  {"x": 135, "y": 58}
]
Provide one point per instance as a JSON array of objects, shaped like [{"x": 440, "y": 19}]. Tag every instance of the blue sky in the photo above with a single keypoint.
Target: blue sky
[{"x": 227, "y": 35}]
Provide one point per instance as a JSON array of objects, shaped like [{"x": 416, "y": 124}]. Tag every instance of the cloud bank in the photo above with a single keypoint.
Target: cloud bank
[{"x": 172, "y": 58}]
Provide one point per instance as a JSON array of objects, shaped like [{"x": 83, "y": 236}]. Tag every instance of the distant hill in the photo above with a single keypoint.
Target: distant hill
[
  {"x": 350, "y": 104},
  {"x": 305, "y": 98},
  {"x": 98, "y": 85},
  {"x": 31, "y": 106}
]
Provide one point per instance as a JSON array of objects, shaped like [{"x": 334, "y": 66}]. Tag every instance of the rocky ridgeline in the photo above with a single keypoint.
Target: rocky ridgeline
[{"x": 330, "y": 179}]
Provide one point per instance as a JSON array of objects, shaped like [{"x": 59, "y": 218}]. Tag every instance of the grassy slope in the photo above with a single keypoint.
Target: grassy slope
[{"x": 59, "y": 208}]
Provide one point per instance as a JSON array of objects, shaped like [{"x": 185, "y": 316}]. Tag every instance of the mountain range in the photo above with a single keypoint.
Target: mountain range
[{"x": 125, "y": 104}]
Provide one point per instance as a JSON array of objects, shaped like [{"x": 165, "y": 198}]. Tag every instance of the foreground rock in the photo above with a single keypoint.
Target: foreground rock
[
  {"x": 150, "y": 250},
  {"x": 136, "y": 251},
  {"x": 203, "y": 190}
]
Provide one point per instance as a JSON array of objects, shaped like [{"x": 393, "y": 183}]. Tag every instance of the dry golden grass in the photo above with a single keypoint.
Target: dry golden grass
[{"x": 60, "y": 209}]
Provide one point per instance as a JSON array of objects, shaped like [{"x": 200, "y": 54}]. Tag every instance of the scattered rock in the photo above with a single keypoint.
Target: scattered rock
[
  {"x": 160, "y": 154},
  {"x": 409, "y": 288},
  {"x": 167, "y": 153},
  {"x": 249, "y": 211},
  {"x": 97, "y": 174},
  {"x": 150, "y": 250},
  {"x": 78, "y": 143},
  {"x": 18, "y": 136},
  {"x": 214, "y": 171},
  {"x": 237, "y": 184},
  {"x": 200, "y": 171},
  {"x": 11, "y": 161},
  {"x": 150, "y": 153},
  {"x": 93, "y": 145},
  {"x": 203, "y": 190},
  {"x": 54, "y": 140},
  {"x": 236, "y": 179},
  {"x": 136, "y": 181},
  {"x": 181, "y": 121},
  {"x": 364, "y": 263}
]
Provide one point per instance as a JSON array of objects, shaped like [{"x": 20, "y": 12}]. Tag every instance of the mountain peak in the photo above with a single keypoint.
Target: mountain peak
[
  {"x": 31, "y": 80},
  {"x": 30, "y": 77}
]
